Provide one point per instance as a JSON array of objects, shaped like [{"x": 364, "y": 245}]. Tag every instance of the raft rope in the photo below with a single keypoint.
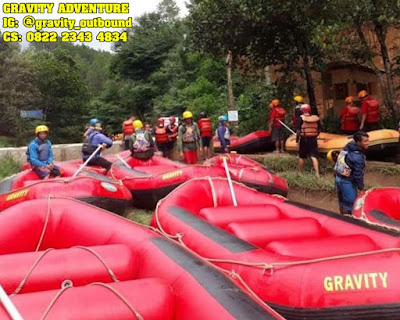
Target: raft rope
[
  {"x": 113, "y": 290},
  {"x": 45, "y": 224},
  {"x": 32, "y": 268}
]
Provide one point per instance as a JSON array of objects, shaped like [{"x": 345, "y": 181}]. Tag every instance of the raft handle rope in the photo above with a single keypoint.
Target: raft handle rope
[
  {"x": 9, "y": 305},
  {"x": 32, "y": 268},
  {"x": 110, "y": 288}
]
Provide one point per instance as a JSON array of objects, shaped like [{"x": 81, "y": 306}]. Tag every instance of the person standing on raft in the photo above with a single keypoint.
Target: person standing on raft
[
  {"x": 127, "y": 131},
  {"x": 276, "y": 117},
  {"x": 369, "y": 111},
  {"x": 142, "y": 144},
  {"x": 40, "y": 154},
  {"x": 93, "y": 141},
  {"x": 224, "y": 133},
  {"x": 349, "y": 171},
  {"x": 172, "y": 132},
  {"x": 189, "y": 139},
  {"x": 205, "y": 127},
  {"x": 308, "y": 129},
  {"x": 349, "y": 117}
]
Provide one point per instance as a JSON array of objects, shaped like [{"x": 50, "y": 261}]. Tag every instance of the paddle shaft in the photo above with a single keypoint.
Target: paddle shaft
[
  {"x": 228, "y": 176},
  {"x": 9, "y": 306},
  {"x": 87, "y": 161},
  {"x": 124, "y": 162}
]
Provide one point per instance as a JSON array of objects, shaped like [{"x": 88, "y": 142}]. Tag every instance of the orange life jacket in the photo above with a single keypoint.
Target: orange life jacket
[
  {"x": 350, "y": 120},
  {"x": 161, "y": 135},
  {"x": 128, "y": 128},
  {"x": 372, "y": 111},
  {"x": 205, "y": 127},
  {"x": 173, "y": 133},
  {"x": 309, "y": 128}
]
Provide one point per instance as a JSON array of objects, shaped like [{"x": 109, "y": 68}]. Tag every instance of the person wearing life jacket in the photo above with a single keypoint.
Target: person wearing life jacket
[
  {"x": 349, "y": 117},
  {"x": 90, "y": 127},
  {"x": 93, "y": 141},
  {"x": 349, "y": 171},
  {"x": 172, "y": 132},
  {"x": 162, "y": 137},
  {"x": 369, "y": 111},
  {"x": 297, "y": 112},
  {"x": 142, "y": 144},
  {"x": 276, "y": 118},
  {"x": 224, "y": 133},
  {"x": 40, "y": 154},
  {"x": 205, "y": 126},
  {"x": 189, "y": 139},
  {"x": 308, "y": 129},
  {"x": 127, "y": 131}
]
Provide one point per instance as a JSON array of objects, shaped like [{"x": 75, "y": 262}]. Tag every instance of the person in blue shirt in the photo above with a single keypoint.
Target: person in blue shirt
[
  {"x": 95, "y": 139},
  {"x": 89, "y": 129},
  {"x": 40, "y": 154},
  {"x": 224, "y": 133},
  {"x": 349, "y": 171}
]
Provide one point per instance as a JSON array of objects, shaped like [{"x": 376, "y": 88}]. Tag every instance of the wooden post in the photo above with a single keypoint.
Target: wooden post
[{"x": 230, "y": 84}]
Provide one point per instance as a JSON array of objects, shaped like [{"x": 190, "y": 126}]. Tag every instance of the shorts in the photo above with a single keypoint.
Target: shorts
[
  {"x": 127, "y": 143},
  {"x": 190, "y": 157},
  {"x": 308, "y": 147},
  {"x": 206, "y": 141},
  {"x": 371, "y": 126},
  {"x": 278, "y": 134},
  {"x": 170, "y": 145},
  {"x": 163, "y": 147},
  {"x": 346, "y": 192}
]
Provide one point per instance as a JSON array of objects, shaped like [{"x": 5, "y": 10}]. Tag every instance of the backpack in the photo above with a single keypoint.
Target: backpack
[
  {"x": 190, "y": 134},
  {"x": 141, "y": 144},
  {"x": 341, "y": 167},
  {"x": 87, "y": 147}
]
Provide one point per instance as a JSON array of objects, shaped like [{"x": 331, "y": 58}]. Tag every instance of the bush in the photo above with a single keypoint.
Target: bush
[
  {"x": 8, "y": 166},
  {"x": 331, "y": 123}
]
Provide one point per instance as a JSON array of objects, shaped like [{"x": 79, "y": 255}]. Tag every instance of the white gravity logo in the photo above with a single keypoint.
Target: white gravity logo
[{"x": 109, "y": 187}]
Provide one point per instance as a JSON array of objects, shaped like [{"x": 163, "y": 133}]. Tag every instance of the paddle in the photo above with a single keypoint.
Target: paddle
[
  {"x": 9, "y": 305},
  {"x": 124, "y": 162},
  {"x": 87, "y": 161},
  {"x": 228, "y": 175}
]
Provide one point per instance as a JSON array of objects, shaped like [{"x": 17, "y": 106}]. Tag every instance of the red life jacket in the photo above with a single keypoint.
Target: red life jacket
[
  {"x": 350, "y": 119},
  {"x": 372, "y": 111},
  {"x": 128, "y": 128},
  {"x": 173, "y": 133},
  {"x": 161, "y": 135},
  {"x": 309, "y": 128},
  {"x": 205, "y": 127},
  {"x": 280, "y": 116}
]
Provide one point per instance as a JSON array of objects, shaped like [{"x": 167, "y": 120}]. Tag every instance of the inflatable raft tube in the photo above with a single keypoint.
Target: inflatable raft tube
[
  {"x": 91, "y": 188},
  {"x": 304, "y": 262},
  {"x": 258, "y": 141},
  {"x": 62, "y": 259},
  {"x": 383, "y": 143},
  {"x": 251, "y": 173},
  {"x": 379, "y": 207}
]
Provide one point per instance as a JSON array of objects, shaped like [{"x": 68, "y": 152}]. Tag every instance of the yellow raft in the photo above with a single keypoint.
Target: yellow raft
[{"x": 383, "y": 143}]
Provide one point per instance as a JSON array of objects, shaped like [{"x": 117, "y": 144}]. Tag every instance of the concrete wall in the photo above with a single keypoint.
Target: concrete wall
[{"x": 62, "y": 152}]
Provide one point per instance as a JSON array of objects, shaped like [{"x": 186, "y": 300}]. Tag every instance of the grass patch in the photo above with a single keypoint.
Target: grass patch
[
  {"x": 7, "y": 142},
  {"x": 387, "y": 170},
  {"x": 140, "y": 216},
  {"x": 8, "y": 166},
  {"x": 308, "y": 181}
]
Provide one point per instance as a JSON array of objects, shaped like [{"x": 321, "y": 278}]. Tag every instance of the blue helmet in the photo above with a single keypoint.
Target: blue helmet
[
  {"x": 223, "y": 118},
  {"x": 93, "y": 121}
]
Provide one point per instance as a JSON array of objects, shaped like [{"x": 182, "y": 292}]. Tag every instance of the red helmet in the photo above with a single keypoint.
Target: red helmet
[
  {"x": 160, "y": 121},
  {"x": 305, "y": 108},
  {"x": 172, "y": 119}
]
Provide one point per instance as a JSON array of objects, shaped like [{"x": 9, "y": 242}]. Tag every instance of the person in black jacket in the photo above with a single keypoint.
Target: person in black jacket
[{"x": 349, "y": 171}]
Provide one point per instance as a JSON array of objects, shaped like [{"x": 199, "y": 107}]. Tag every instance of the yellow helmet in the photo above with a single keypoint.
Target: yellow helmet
[
  {"x": 187, "y": 115},
  {"x": 298, "y": 99},
  {"x": 41, "y": 128},
  {"x": 137, "y": 124}
]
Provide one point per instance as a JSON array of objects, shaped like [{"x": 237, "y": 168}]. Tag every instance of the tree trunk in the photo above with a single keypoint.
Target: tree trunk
[
  {"x": 230, "y": 84},
  {"x": 381, "y": 35},
  {"x": 310, "y": 85}
]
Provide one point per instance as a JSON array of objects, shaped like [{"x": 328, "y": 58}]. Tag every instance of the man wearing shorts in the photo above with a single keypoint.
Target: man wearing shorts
[
  {"x": 205, "y": 128},
  {"x": 349, "y": 171},
  {"x": 308, "y": 129},
  {"x": 276, "y": 118}
]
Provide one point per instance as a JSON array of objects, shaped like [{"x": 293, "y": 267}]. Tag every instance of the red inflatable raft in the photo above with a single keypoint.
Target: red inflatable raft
[
  {"x": 380, "y": 207},
  {"x": 251, "y": 173},
  {"x": 88, "y": 187},
  {"x": 258, "y": 141},
  {"x": 304, "y": 262},
  {"x": 62, "y": 259}
]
